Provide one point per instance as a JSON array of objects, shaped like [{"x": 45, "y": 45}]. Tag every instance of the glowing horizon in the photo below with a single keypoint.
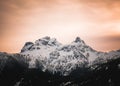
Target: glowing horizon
[{"x": 96, "y": 22}]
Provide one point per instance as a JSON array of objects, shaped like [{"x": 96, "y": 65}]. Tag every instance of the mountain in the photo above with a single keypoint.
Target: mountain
[
  {"x": 56, "y": 57},
  {"x": 50, "y": 63}
]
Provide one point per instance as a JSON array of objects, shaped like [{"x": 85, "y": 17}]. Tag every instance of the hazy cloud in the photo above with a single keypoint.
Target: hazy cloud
[{"x": 64, "y": 19}]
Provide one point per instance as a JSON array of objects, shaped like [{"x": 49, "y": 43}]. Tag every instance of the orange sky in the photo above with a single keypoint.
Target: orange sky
[{"x": 97, "y": 22}]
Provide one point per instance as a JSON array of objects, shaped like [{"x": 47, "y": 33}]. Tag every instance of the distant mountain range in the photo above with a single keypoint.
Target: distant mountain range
[{"x": 50, "y": 63}]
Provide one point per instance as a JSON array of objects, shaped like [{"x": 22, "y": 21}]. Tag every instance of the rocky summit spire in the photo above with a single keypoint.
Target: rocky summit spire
[{"x": 77, "y": 39}]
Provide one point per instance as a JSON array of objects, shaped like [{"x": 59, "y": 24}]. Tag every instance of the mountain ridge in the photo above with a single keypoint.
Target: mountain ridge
[
  {"x": 49, "y": 63},
  {"x": 56, "y": 57}
]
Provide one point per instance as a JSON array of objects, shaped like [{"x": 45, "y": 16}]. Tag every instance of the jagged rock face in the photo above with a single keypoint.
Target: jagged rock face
[
  {"x": 27, "y": 46},
  {"x": 47, "y": 41}
]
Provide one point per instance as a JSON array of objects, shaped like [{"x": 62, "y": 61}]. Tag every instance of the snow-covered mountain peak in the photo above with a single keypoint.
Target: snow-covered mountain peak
[
  {"x": 47, "y": 41},
  {"x": 56, "y": 57},
  {"x": 78, "y": 42}
]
